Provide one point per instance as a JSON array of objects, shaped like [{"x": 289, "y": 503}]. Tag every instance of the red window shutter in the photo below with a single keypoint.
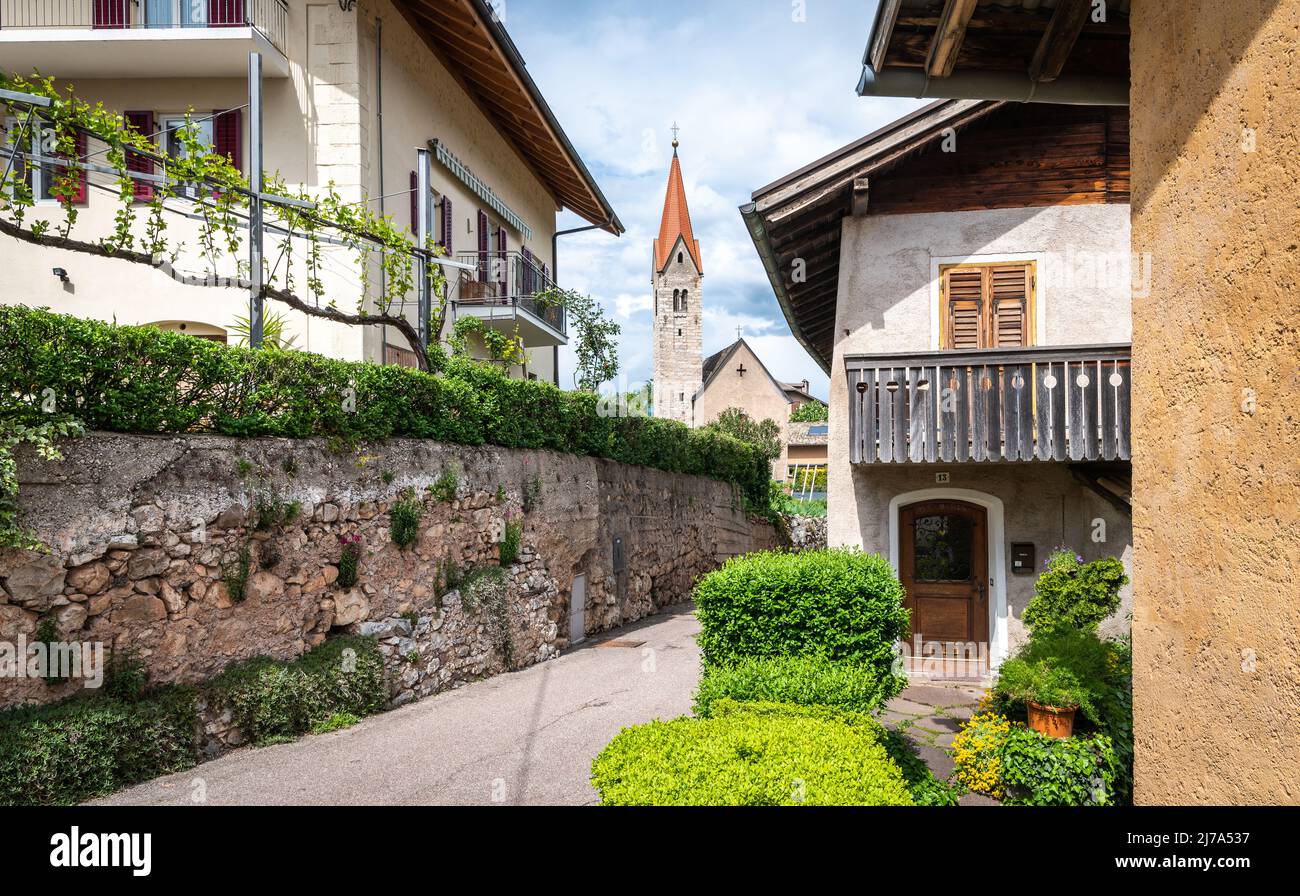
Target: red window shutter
[
  {"x": 504, "y": 270},
  {"x": 227, "y": 135},
  {"x": 415, "y": 203},
  {"x": 143, "y": 123},
  {"x": 226, "y": 13},
  {"x": 446, "y": 224},
  {"x": 482, "y": 246},
  {"x": 109, "y": 14}
]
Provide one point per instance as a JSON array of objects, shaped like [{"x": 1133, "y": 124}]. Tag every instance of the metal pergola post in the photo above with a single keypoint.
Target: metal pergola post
[
  {"x": 423, "y": 216},
  {"x": 255, "y": 234}
]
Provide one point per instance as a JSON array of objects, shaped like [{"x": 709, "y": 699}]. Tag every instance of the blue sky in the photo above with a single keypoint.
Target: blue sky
[{"x": 757, "y": 95}]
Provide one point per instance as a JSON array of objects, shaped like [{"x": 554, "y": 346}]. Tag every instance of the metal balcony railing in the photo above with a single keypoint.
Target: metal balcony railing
[
  {"x": 1051, "y": 403},
  {"x": 508, "y": 279},
  {"x": 269, "y": 17}
]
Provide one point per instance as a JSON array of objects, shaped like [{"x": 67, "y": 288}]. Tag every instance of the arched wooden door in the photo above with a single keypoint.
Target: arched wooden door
[{"x": 944, "y": 567}]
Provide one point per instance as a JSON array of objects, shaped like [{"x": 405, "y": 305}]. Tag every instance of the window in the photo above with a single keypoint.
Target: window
[
  {"x": 683, "y": 308},
  {"x": 943, "y": 548},
  {"x": 679, "y": 258},
  {"x": 175, "y": 129},
  {"x": 987, "y": 305},
  {"x": 188, "y": 13},
  {"x": 42, "y": 177}
]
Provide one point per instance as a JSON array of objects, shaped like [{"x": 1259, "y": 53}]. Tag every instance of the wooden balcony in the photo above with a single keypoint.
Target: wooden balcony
[{"x": 1057, "y": 403}]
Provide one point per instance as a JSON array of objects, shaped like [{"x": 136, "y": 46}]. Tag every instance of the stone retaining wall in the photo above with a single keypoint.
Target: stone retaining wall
[{"x": 147, "y": 533}]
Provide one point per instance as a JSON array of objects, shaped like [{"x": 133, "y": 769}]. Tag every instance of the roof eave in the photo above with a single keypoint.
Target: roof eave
[{"x": 506, "y": 45}]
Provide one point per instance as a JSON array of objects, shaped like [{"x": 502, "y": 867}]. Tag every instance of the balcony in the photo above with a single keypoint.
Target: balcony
[
  {"x": 1059, "y": 403},
  {"x": 106, "y": 39},
  {"x": 503, "y": 290}
]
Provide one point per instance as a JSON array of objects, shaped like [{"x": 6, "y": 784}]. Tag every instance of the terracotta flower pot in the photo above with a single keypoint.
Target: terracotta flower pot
[{"x": 1051, "y": 720}]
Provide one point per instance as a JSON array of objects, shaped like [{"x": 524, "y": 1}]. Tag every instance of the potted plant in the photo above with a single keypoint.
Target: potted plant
[{"x": 1052, "y": 694}]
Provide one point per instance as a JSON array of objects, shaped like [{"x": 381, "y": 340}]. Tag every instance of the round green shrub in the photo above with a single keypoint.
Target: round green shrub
[
  {"x": 803, "y": 680},
  {"x": 1071, "y": 594},
  {"x": 840, "y": 604},
  {"x": 749, "y": 757},
  {"x": 271, "y": 700}
]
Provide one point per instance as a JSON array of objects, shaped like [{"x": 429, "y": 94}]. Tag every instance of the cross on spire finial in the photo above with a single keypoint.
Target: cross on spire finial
[
  {"x": 738, "y": 335},
  {"x": 675, "y": 129}
]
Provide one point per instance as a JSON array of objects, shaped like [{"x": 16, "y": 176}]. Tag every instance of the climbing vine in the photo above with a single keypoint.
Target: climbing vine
[{"x": 201, "y": 184}]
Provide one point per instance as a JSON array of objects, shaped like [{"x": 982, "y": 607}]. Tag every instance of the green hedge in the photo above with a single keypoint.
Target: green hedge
[
  {"x": 840, "y": 604},
  {"x": 803, "y": 680},
  {"x": 92, "y": 745},
  {"x": 145, "y": 380},
  {"x": 99, "y": 742},
  {"x": 749, "y": 755},
  {"x": 271, "y": 700}
]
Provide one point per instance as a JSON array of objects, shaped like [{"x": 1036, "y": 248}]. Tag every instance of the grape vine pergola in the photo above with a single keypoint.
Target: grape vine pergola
[{"x": 224, "y": 203}]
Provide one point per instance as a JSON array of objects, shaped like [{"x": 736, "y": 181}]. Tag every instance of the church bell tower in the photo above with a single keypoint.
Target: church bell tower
[{"x": 677, "y": 278}]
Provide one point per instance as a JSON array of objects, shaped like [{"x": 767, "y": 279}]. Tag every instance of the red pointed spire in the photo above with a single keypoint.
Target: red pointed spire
[{"x": 676, "y": 221}]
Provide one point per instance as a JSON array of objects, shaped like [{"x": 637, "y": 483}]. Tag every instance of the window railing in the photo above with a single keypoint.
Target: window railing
[
  {"x": 508, "y": 278},
  {"x": 1047, "y": 403},
  {"x": 270, "y": 17}
]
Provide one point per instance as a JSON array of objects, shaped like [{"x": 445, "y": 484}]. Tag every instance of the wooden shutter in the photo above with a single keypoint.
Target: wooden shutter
[
  {"x": 227, "y": 136},
  {"x": 79, "y": 191},
  {"x": 482, "y": 246},
  {"x": 143, "y": 124},
  {"x": 446, "y": 224},
  {"x": 963, "y": 290},
  {"x": 226, "y": 13},
  {"x": 504, "y": 261},
  {"x": 109, "y": 14},
  {"x": 1009, "y": 286},
  {"x": 415, "y": 203},
  {"x": 987, "y": 306}
]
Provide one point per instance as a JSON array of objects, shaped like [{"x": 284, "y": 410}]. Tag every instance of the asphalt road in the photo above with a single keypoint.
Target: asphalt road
[{"x": 525, "y": 738}]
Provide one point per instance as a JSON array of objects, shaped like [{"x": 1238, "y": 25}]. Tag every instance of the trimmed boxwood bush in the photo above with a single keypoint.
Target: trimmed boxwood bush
[
  {"x": 804, "y": 680},
  {"x": 749, "y": 755},
  {"x": 1073, "y": 595},
  {"x": 93, "y": 744},
  {"x": 271, "y": 700},
  {"x": 839, "y": 604},
  {"x": 146, "y": 380}
]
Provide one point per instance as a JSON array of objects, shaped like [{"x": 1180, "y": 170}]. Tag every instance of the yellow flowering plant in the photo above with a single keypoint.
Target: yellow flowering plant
[{"x": 977, "y": 752}]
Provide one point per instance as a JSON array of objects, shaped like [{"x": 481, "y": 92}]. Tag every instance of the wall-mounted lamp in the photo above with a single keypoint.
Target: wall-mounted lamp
[{"x": 61, "y": 274}]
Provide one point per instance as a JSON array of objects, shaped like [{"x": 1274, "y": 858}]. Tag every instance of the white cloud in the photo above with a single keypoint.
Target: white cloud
[{"x": 756, "y": 95}]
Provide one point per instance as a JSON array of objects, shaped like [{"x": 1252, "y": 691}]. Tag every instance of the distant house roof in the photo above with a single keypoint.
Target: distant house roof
[
  {"x": 472, "y": 43},
  {"x": 809, "y": 434},
  {"x": 676, "y": 221},
  {"x": 717, "y": 362}
]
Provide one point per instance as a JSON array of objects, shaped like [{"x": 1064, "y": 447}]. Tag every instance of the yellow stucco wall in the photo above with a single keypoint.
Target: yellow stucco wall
[{"x": 1216, "y": 428}]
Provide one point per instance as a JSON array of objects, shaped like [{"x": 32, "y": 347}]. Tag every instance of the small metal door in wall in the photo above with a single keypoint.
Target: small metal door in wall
[{"x": 578, "y": 609}]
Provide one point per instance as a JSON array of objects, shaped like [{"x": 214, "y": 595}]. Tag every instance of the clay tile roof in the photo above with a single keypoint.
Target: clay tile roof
[{"x": 676, "y": 221}]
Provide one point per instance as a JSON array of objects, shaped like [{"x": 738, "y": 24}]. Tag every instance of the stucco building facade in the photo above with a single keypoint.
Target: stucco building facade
[{"x": 348, "y": 98}]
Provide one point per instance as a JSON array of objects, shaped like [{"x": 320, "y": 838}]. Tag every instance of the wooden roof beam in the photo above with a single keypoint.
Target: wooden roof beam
[
  {"x": 948, "y": 37},
  {"x": 1059, "y": 39}
]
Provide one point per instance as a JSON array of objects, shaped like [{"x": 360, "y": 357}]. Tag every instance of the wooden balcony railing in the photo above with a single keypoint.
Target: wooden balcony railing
[{"x": 1051, "y": 404}]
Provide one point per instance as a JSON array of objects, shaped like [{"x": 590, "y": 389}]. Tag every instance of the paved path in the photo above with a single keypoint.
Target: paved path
[
  {"x": 930, "y": 714},
  {"x": 523, "y": 738}
]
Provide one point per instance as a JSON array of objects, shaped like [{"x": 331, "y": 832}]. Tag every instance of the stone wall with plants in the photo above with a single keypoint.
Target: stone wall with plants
[{"x": 195, "y": 552}]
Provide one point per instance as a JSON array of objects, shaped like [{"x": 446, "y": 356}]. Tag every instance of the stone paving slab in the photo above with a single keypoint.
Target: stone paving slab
[
  {"x": 977, "y": 799},
  {"x": 937, "y": 695}
]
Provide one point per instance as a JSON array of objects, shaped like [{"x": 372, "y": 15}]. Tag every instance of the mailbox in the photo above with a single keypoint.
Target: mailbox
[{"x": 1022, "y": 559}]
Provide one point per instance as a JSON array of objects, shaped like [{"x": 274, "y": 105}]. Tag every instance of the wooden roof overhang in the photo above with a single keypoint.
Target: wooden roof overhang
[
  {"x": 472, "y": 44},
  {"x": 796, "y": 222},
  {"x": 1030, "y": 50}
]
